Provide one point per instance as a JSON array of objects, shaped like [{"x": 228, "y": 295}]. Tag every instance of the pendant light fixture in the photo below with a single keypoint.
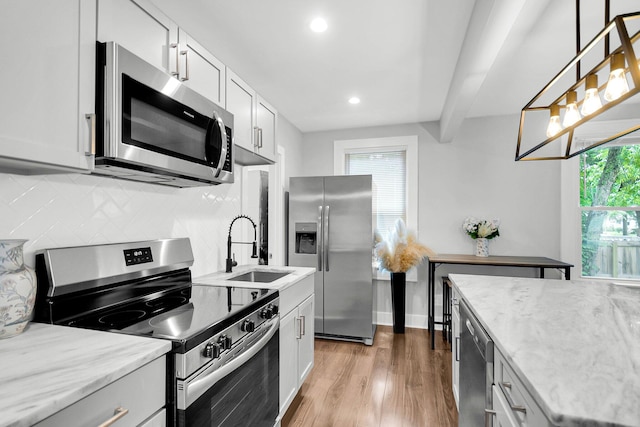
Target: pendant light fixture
[{"x": 584, "y": 110}]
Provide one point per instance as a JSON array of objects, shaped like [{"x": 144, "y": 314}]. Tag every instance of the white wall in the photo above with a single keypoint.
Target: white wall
[
  {"x": 72, "y": 210},
  {"x": 475, "y": 175}
]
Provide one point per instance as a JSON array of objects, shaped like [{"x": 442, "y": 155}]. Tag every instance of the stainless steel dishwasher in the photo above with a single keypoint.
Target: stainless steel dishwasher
[{"x": 476, "y": 371}]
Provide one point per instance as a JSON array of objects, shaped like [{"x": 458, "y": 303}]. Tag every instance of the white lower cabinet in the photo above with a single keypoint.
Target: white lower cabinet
[
  {"x": 141, "y": 394},
  {"x": 296, "y": 339},
  {"x": 512, "y": 401},
  {"x": 455, "y": 345}
]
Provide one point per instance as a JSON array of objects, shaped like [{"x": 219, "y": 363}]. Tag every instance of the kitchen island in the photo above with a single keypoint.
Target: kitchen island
[{"x": 574, "y": 345}]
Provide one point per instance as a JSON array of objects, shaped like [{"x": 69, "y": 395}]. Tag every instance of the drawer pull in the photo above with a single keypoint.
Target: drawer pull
[
  {"x": 514, "y": 407},
  {"x": 118, "y": 413},
  {"x": 488, "y": 417}
]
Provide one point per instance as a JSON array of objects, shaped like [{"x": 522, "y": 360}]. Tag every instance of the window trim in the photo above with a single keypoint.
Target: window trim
[
  {"x": 571, "y": 222},
  {"x": 407, "y": 143}
]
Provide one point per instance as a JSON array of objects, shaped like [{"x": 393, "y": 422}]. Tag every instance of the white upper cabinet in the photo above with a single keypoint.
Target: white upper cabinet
[
  {"x": 254, "y": 123},
  {"x": 141, "y": 28},
  {"x": 200, "y": 70},
  {"x": 266, "y": 127},
  {"x": 47, "y": 81}
]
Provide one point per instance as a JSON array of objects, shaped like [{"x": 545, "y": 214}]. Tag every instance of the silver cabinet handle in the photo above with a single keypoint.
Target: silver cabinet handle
[
  {"x": 299, "y": 335},
  {"x": 118, "y": 413},
  {"x": 92, "y": 138},
  {"x": 457, "y": 349},
  {"x": 256, "y": 137},
  {"x": 259, "y": 137},
  {"x": 185, "y": 53},
  {"x": 176, "y": 46},
  {"x": 514, "y": 407},
  {"x": 303, "y": 324},
  {"x": 488, "y": 414},
  {"x": 454, "y": 301}
]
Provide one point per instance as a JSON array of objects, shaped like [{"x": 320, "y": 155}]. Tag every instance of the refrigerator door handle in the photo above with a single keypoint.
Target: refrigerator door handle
[
  {"x": 326, "y": 240},
  {"x": 319, "y": 243}
]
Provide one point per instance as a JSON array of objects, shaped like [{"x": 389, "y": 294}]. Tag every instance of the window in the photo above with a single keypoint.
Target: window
[
  {"x": 393, "y": 163},
  {"x": 388, "y": 170},
  {"x": 610, "y": 210}
]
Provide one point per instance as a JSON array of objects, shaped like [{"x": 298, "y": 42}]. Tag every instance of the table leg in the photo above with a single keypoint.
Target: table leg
[
  {"x": 542, "y": 272},
  {"x": 567, "y": 273},
  {"x": 430, "y": 320}
]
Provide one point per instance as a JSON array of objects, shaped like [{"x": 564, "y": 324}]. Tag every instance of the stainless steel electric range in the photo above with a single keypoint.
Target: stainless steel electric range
[{"x": 223, "y": 367}]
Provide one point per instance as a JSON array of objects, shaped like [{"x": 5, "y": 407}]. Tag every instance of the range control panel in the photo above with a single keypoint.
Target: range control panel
[{"x": 137, "y": 256}]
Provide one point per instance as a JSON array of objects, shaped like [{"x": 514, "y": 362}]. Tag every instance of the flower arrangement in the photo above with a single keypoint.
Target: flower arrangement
[
  {"x": 481, "y": 228},
  {"x": 401, "y": 251}
]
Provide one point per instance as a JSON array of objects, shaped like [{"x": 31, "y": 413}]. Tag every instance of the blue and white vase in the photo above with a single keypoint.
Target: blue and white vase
[
  {"x": 482, "y": 247},
  {"x": 17, "y": 289}
]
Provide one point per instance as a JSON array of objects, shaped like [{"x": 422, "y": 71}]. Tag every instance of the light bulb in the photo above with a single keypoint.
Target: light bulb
[
  {"x": 617, "y": 84},
  {"x": 554, "y": 122},
  {"x": 592, "y": 102},
  {"x": 571, "y": 114}
]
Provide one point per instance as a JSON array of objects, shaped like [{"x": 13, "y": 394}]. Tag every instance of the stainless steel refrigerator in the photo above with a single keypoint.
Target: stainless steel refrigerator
[{"x": 331, "y": 224}]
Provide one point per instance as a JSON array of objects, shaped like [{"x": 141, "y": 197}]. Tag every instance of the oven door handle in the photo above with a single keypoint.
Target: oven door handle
[{"x": 196, "y": 387}]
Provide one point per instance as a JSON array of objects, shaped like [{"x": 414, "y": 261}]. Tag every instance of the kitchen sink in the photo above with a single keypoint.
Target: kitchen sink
[{"x": 259, "y": 276}]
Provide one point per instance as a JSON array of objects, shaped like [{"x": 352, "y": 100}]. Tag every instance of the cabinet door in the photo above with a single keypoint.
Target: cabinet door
[
  {"x": 141, "y": 393},
  {"x": 241, "y": 103},
  {"x": 306, "y": 316},
  {"x": 267, "y": 118},
  {"x": 288, "y": 359},
  {"x": 141, "y": 28},
  {"x": 455, "y": 348},
  {"x": 47, "y": 82},
  {"x": 200, "y": 70}
]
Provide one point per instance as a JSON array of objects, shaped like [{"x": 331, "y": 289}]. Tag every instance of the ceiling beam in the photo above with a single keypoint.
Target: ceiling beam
[{"x": 489, "y": 27}]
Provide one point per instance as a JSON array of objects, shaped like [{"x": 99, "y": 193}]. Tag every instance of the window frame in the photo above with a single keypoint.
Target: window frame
[
  {"x": 376, "y": 145},
  {"x": 571, "y": 221}
]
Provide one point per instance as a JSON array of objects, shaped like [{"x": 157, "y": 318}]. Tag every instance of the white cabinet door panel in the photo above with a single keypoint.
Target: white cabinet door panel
[
  {"x": 200, "y": 70},
  {"x": 141, "y": 28}
]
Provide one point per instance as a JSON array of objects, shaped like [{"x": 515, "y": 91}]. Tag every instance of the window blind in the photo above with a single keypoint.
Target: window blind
[{"x": 389, "y": 172}]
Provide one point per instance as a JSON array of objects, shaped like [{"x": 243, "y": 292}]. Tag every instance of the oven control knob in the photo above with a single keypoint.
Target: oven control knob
[
  {"x": 212, "y": 350},
  {"x": 225, "y": 342},
  {"x": 274, "y": 309},
  {"x": 248, "y": 326},
  {"x": 266, "y": 313}
]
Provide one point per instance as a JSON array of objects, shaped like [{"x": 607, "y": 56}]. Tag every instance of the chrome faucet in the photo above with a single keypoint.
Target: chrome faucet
[{"x": 254, "y": 254}]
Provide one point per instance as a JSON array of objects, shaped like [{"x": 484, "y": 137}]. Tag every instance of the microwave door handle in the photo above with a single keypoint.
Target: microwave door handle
[{"x": 216, "y": 120}]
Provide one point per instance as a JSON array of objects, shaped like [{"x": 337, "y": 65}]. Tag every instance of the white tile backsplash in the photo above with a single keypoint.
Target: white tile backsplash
[{"x": 74, "y": 209}]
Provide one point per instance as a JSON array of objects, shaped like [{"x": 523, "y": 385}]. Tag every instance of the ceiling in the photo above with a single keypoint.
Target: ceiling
[{"x": 410, "y": 61}]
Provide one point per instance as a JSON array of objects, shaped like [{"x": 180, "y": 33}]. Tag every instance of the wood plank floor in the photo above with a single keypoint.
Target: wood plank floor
[{"x": 397, "y": 382}]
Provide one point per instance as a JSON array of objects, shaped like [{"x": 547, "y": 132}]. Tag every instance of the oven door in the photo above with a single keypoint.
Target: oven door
[{"x": 244, "y": 391}]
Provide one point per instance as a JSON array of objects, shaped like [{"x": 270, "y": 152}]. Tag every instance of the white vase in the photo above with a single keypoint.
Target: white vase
[
  {"x": 17, "y": 289},
  {"x": 482, "y": 247}
]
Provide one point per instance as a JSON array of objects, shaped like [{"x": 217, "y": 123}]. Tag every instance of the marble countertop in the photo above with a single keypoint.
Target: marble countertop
[
  {"x": 47, "y": 368},
  {"x": 226, "y": 279},
  {"x": 574, "y": 344}
]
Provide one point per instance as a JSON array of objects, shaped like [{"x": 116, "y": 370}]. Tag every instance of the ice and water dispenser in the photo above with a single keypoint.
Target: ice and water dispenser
[{"x": 306, "y": 237}]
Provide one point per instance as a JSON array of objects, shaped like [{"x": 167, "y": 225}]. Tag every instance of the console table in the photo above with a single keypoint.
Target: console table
[{"x": 497, "y": 261}]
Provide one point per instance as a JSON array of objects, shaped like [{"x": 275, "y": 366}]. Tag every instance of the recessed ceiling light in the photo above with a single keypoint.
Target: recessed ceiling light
[
  {"x": 318, "y": 25},
  {"x": 354, "y": 100}
]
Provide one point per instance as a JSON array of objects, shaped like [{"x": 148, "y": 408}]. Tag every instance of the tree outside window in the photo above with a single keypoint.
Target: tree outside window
[{"x": 610, "y": 205}]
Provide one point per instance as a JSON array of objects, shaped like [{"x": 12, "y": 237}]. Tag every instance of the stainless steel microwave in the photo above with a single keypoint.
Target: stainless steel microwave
[{"x": 150, "y": 127}]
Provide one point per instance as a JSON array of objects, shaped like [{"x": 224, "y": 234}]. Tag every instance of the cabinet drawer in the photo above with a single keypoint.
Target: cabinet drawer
[
  {"x": 142, "y": 392},
  {"x": 516, "y": 394},
  {"x": 292, "y": 296}
]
